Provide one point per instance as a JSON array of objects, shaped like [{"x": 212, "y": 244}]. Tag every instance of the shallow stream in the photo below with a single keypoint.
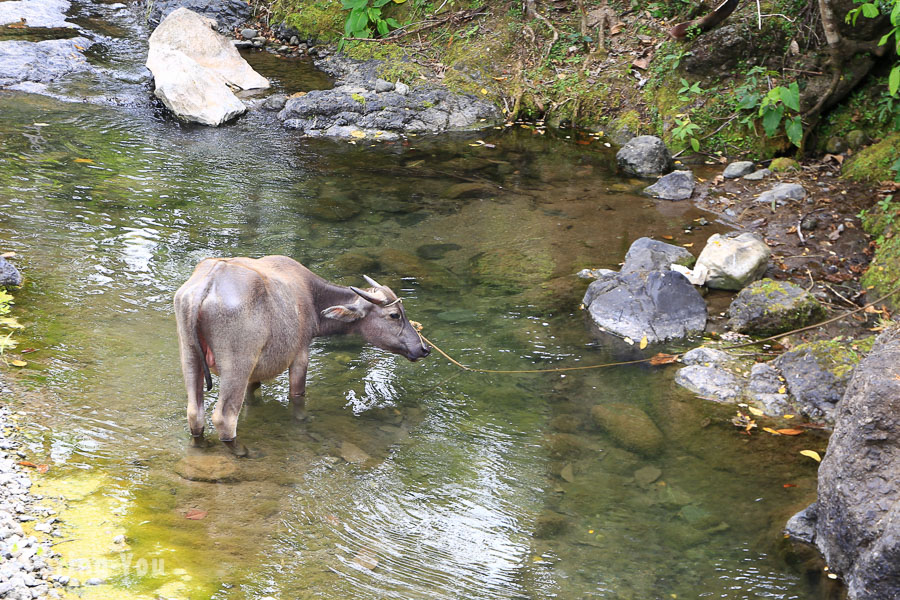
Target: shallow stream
[{"x": 412, "y": 480}]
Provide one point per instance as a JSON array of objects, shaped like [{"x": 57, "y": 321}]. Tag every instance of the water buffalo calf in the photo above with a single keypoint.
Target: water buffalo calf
[{"x": 247, "y": 320}]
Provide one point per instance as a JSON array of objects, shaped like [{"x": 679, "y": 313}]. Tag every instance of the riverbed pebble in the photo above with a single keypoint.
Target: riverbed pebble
[{"x": 24, "y": 573}]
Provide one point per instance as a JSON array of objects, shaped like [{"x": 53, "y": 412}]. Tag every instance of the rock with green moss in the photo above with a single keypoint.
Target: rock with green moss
[
  {"x": 784, "y": 164},
  {"x": 768, "y": 307},
  {"x": 875, "y": 162},
  {"x": 629, "y": 426},
  {"x": 817, "y": 373}
]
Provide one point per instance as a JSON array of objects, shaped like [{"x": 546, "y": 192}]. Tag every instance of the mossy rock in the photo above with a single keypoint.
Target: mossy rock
[
  {"x": 510, "y": 271},
  {"x": 624, "y": 127},
  {"x": 321, "y": 20},
  {"x": 564, "y": 446},
  {"x": 428, "y": 274},
  {"x": 769, "y": 307},
  {"x": 783, "y": 165},
  {"x": 549, "y": 525},
  {"x": 884, "y": 271},
  {"x": 209, "y": 468},
  {"x": 874, "y": 162},
  {"x": 356, "y": 263},
  {"x": 629, "y": 426}
]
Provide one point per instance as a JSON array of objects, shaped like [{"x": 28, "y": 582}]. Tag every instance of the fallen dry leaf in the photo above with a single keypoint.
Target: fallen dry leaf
[
  {"x": 812, "y": 454},
  {"x": 43, "y": 468},
  {"x": 195, "y": 514},
  {"x": 663, "y": 359},
  {"x": 790, "y": 431},
  {"x": 27, "y": 463},
  {"x": 667, "y": 237},
  {"x": 84, "y": 160},
  {"x": 643, "y": 343},
  {"x": 641, "y": 63},
  {"x": 789, "y": 485}
]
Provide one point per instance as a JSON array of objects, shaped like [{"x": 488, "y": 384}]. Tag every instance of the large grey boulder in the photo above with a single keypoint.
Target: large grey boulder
[
  {"x": 41, "y": 62},
  {"x": 858, "y": 507},
  {"x": 645, "y": 156},
  {"x": 193, "y": 67},
  {"x": 734, "y": 260},
  {"x": 228, "y": 14},
  {"x": 816, "y": 375},
  {"x": 9, "y": 274},
  {"x": 677, "y": 185},
  {"x": 647, "y": 254},
  {"x": 768, "y": 307},
  {"x": 661, "y": 305}
]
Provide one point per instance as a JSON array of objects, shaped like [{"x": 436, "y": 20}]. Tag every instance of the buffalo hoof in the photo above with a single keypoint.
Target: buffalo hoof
[
  {"x": 237, "y": 448},
  {"x": 300, "y": 415},
  {"x": 199, "y": 442}
]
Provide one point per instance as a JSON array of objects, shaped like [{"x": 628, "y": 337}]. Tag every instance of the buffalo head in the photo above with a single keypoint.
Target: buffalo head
[{"x": 377, "y": 314}]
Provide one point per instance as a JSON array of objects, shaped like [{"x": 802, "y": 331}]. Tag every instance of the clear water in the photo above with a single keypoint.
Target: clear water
[{"x": 476, "y": 486}]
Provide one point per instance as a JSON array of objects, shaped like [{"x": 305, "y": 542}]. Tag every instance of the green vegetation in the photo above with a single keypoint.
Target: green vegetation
[
  {"x": 881, "y": 222},
  {"x": 366, "y": 14}
]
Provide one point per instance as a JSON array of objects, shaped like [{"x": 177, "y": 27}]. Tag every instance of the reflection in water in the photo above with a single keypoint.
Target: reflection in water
[{"x": 412, "y": 480}]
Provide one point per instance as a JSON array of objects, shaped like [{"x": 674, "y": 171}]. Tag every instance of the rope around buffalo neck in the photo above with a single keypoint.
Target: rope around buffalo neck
[{"x": 661, "y": 358}]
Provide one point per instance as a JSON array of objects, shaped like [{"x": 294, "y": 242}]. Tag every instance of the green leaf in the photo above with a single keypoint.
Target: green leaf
[
  {"x": 894, "y": 80},
  {"x": 382, "y": 26},
  {"x": 392, "y": 22},
  {"x": 749, "y": 101},
  {"x": 869, "y": 10},
  {"x": 380, "y": 3},
  {"x": 793, "y": 127},
  {"x": 791, "y": 96},
  {"x": 772, "y": 119},
  {"x": 695, "y": 144}
]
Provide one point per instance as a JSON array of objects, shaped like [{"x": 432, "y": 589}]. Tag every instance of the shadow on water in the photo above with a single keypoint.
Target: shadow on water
[{"x": 412, "y": 480}]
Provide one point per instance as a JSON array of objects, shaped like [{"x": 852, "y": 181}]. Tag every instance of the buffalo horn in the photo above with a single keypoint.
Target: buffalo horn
[
  {"x": 372, "y": 282},
  {"x": 370, "y": 297}
]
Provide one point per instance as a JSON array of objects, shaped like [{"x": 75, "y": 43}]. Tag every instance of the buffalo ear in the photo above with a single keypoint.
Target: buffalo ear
[
  {"x": 342, "y": 313},
  {"x": 377, "y": 300}
]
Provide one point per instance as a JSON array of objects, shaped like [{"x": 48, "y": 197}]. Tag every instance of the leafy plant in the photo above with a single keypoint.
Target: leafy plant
[
  {"x": 684, "y": 131},
  {"x": 366, "y": 14},
  {"x": 773, "y": 110},
  {"x": 887, "y": 110},
  {"x": 871, "y": 10},
  {"x": 689, "y": 88}
]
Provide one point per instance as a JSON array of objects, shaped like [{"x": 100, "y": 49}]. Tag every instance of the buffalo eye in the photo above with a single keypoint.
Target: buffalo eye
[{"x": 395, "y": 315}]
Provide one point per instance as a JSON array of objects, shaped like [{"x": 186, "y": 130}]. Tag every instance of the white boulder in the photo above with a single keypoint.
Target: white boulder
[
  {"x": 733, "y": 260},
  {"x": 195, "y": 69}
]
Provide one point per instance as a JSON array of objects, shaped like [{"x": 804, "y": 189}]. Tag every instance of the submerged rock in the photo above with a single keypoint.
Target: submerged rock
[
  {"x": 644, "y": 156},
  {"x": 768, "y": 307},
  {"x": 677, "y": 185},
  {"x": 629, "y": 426},
  {"x": 193, "y": 67},
  {"x": 802, "y": 526},
  {"x": 206, "y": 467},
  {"x": 661, "y": 305},
  {"x": 858, "y": 506},
  {"x": 734, "y": 260},
  {"x": 646, "y": 254}
]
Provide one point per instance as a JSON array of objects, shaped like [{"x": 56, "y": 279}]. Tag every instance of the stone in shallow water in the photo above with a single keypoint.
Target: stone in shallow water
[
  {"x": 713, "y": 382},
  {"x": 353, "y": 454},
  {"x": 207, "y": 467},
  {"x": 629, "y": 426},
  {"x": 647, "y": 475},
  {"x": 678, "y": 185},
  {"x": 644, "y": 156},
  {"x": 646, "y": 254},
  {"x": 782, "y": 193},
  {"x": 768, "y": 307},
  {"x": 733, "y": 261}
]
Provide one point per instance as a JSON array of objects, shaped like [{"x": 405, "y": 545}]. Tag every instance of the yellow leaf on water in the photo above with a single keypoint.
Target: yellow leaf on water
[
  {"x": 690, "y": 245},
  {"x": 18, "y": 363},
  {"x": 84, "y": 160},
  {"x": 41, "y": 124},
  {"x": 358, "y": 134},
  {"x": 790, "y": 431},
  {"x": 812, "y": 454},
  {"x": 787, "y": 416},
  {"x": 643, "y": 343},
  {"x": 755, "y": 411},
  {"x": 782, "y": 390},
  {"x": 770, "y": 430}
]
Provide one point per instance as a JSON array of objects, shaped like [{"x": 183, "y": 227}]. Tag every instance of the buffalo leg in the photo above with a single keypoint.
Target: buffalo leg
[
  {"x": 228, "y": 408},
  {"x": 193, "y": 383},
  {"x": 297, "y": 376}
]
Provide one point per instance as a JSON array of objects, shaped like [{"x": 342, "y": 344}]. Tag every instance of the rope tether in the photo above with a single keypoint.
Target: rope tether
[{"x": 661, "y": 358}]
